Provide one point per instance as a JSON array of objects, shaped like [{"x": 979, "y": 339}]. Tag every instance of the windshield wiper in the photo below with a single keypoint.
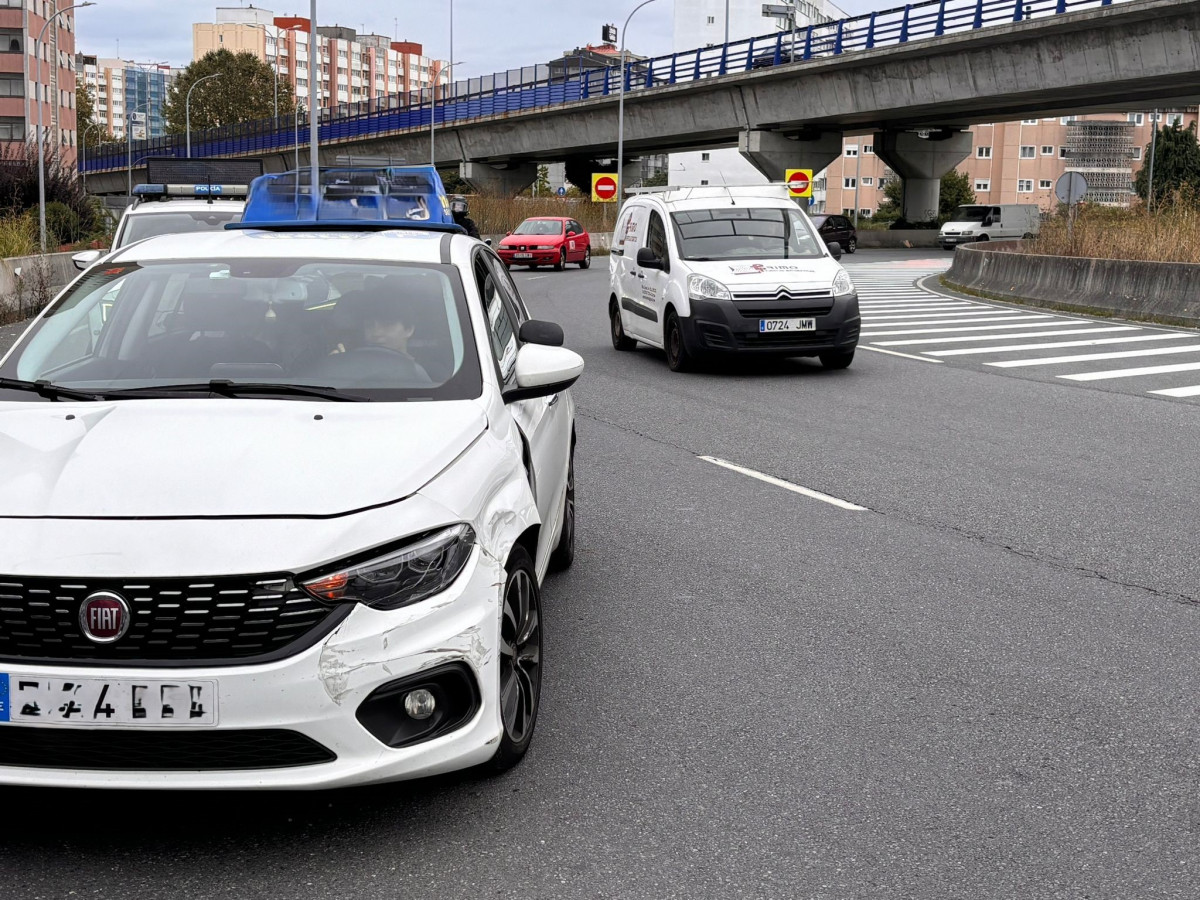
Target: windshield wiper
[
  {"x": 225, "y": 388},
  {"x": 49, "y": 390}
]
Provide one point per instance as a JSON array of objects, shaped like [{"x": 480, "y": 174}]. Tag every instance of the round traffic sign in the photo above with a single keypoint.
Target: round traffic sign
[
  {"x": 605, "y": 187},
  {"x": 1071, "y": 187},
  {"x": 562, "y": 192},
  {"x": 798, "y": 183}
]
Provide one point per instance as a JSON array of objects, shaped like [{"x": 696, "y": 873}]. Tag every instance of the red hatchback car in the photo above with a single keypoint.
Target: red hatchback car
[{"x": 547, "y": 241}]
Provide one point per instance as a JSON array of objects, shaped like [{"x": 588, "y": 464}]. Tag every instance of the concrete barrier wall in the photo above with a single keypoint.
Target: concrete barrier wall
[
  {"x": 870, "y": 239},
  {"x": 1151, "y": 291},
  {"x": 28, "y": 282}
]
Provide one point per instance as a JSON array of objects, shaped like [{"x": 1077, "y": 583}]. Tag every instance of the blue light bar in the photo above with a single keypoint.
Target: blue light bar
[
  {"x": 159, "y": 191},
  {"x": 376, "y": 197}
]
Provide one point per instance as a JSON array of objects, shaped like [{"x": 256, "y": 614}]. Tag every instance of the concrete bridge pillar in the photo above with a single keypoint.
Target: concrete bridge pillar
[
  {"x": 773, "y": 153},
  {"x": 921, "y": 162},
  {"x": 501, "y": 182}
]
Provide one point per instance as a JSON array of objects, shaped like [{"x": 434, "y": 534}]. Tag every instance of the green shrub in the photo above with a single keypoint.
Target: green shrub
[{"x": 63, "y": 224}]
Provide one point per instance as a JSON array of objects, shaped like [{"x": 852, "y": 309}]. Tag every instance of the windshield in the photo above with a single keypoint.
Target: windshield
[
  {"x": 970, "y": 214},
  {"x": 148, "y": 225},
  {"x": 738, "y": 232},
  {"x": 539, "y": 226},
  {"x": 377, "y": 330}
]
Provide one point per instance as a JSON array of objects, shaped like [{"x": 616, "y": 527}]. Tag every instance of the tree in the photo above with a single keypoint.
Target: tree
[
  {"x": 541, "y": 184},
  {"x": 659, "y": 179},
  {"x": 955, "y": 191},
  {"x": 1176, "y": 164},
  {"x": 244, "y": 92},
  {"x": 85, "y": 108}
]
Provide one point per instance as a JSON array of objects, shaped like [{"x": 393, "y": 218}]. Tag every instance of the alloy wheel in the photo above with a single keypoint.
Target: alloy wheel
[{"x": 520, "y": 657}]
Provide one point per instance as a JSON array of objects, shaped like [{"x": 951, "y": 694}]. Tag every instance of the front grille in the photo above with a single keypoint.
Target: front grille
[
  {"x": 783, "y": 302},
  {"x": 766, "y": 310},
  {"x": 225, "y": 620},
  {"x": 154, "y": 751}
]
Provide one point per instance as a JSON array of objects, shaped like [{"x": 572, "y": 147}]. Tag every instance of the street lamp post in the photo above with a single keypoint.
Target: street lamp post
[
  {"x": 187, "y": 109},
  {"x": 621, "y": 101},
  {"x": 83, "y": 152},
  {"x": 314, "y": 110},
  {"x": 41, "y": 138},
  {"x": 433, "y": 107}
]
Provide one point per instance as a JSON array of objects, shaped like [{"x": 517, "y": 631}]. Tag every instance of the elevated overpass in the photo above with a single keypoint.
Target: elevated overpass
[{"x": 915, "y": 77}]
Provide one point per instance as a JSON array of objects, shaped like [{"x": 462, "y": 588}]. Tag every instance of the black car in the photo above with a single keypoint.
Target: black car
[
  {"x": 768, "y": 59},
  {"x": 836, "y": 229}
]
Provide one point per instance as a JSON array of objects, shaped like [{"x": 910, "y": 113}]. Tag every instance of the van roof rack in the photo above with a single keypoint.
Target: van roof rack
[{"x": 734, "y": 192}]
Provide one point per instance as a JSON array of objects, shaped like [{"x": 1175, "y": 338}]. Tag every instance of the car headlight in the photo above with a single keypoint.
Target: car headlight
[
  {"x": 415, "y": 571},
  {"x": 842, "y": 285},
  {"x": 701, "y": 287},
  {"x": 544, "y": 247}
]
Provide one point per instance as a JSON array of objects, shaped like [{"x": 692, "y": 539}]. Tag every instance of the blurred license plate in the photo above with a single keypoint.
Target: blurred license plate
[
  {"x": 765, "y": 325},
  {"x": 37, "y": 700},
  {"x": 522, "y": 256}
]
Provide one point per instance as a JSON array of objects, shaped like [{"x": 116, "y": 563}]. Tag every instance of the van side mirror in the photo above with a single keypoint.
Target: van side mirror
[
  {"x": 647, "y": 259},
  {"x": 835, "y": 250}
]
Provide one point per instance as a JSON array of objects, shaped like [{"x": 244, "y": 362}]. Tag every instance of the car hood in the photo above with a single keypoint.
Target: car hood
[
  {"x": 190, "y": 458},
  {"x": 514, "y": 240},
  {"x": 741, "y": 274}
]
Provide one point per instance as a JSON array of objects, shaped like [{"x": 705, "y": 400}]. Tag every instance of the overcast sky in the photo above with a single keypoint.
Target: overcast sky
[{"x": 489, "y": 35}]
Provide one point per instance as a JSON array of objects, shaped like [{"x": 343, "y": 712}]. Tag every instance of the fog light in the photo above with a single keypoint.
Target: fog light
[{"x": 419, "y": 704}]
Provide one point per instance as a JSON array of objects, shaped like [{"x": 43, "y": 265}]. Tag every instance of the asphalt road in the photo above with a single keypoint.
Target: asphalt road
[{"x": 980, "y": 686}]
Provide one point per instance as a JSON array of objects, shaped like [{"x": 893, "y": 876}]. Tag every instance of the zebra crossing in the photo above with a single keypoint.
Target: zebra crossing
[{"x": 901, "y": 318}]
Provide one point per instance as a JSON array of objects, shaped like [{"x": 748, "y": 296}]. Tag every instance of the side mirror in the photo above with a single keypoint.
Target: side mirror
[
  {"x": 544, "y": 371},
  {"x": 835, "y": 250},
  {"x": 570, "y": 234},
  {"x": 507, "y": 233},
  {"x": 538, "y": 331},
  {"x": 86, "y": 258},
  {"x": 648, "y": 260},
  {"x": 488, "y": 241}
]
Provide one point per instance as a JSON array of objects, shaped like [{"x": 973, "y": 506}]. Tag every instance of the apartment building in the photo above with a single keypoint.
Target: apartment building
[
  {"x": 125, "y": 92},
  {"x": 353, "y": 67},
  {"x": 43, "y": 76}
]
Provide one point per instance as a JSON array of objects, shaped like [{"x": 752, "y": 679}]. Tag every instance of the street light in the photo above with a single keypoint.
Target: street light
[
  {"x": 621, "y": 101},
  {"x": 187, "y": 109},
  {"x": 83, "y": 152},
  {"x": 433, "y": 106},
  {"x": 41, "y": 138}
]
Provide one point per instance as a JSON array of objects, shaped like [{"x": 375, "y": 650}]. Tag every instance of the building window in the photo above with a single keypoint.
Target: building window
[
  {"x": 864, "y": 213},
  {"x": 848, "y": 183},
  {"x": 1029, "y": 121},
  {"x": 12, "y": 128},
  {"x": 983, "y": 185},
  {"x": 852, "y": 150},
  {"x": 1137, "y": 118},
  {"x": 12, "y": 40},
  {"x": 1137, "y": 152},
  {"x": 705, "y": 157},
  {"x": 847, "y": 212},
  {"x": 868, "y": 149},
  {"x": 867, "y": 181},
  {"x": 1045, "y": 184},
  {"x": 1028, "y": 152},
  {"x": 983, "y": 152},
  {"x": 1047, "y": 150},
  {"x": 1066, "y": 120},
  {"x": 1175, "y": 119},
  {"x": 712, "y": 20},
  {"x": 1062, "y": 152},
  {"x": 1025, "y": 186},
  {"x": 12, "y": 86}
]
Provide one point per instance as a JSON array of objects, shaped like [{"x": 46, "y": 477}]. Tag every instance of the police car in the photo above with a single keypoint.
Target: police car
[{"x": 277, "y": 502}]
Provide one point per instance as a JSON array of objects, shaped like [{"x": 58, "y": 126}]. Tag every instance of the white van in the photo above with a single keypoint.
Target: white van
[
  {"x": 983, "y": 222},
  {"x": 711, "y": 270}
]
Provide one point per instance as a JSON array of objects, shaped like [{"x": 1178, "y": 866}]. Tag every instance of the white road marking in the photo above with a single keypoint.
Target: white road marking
[
  {"x": 895, "y": 353},
  {"x": 1004, "y": 337},
  {"x": 1058, "y": 345},
  {"x": 900, "y": 318},
  {"x": 1051, "y": 323},
  {"x": 1132, "y": 373},
  {"x": 1091, "y": 357},
  {"x": 786, "y": 485},
  {"x": 1193, "y": 391}
]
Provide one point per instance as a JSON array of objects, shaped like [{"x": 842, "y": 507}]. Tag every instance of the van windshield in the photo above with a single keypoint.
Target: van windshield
[
  {"x": 971, "y": 213},
  {"x": 740, "y": 232}
]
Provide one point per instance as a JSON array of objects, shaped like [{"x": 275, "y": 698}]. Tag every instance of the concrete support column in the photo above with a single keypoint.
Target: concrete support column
[
  {"x": 921, "y": 162},
  {"x": 501, "y": 182},
  {"x": 773, "y": 153}
]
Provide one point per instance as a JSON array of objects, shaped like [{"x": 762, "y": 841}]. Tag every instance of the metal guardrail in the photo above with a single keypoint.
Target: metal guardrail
[{"x": 543, "y": 86}]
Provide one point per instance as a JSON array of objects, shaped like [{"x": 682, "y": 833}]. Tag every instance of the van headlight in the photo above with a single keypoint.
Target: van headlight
[
  {"x": 701, "y": 287},
  {"x": 418, "y": 569},
  {"x": 842, "y": 285},
  {"x": 966, "y": 232}
]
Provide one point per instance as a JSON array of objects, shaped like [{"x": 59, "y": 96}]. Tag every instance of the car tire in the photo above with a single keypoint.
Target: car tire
[
  {"x": 532, "y": 266},
  {"x": 851, "y": 244},
  {"x": 620, "y": 340},
  {"x": 520, "y": 683},
  {"x": 1027, "y": 236},
  {"x": 564, "y": 552},
  {"x": 586, "y": 262},
  {"x": 678, "y": 357},
  {"x": 562, "y": 260},
  {"x": 836, "y": 359}
]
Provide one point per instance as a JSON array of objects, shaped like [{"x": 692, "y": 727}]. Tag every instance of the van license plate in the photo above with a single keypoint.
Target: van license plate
[
  {"x": 142, "y": 703},
  {"x": 766, "y": 325}
]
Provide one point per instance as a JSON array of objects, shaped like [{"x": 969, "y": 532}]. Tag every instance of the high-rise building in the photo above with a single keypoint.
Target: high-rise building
[
  {"x": 352, "y": 67},
  {"x": 125, "y": 91},
  {"x": 44, "y": 78}
]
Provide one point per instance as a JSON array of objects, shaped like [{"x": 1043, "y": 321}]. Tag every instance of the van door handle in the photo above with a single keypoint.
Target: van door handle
[{"x": 639, "y": 274}]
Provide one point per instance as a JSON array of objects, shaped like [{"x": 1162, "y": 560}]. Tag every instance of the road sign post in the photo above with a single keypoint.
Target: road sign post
[
  {"x": 799, "y": 182},
  {"x": 604, "y": 188},
  {"x": 1070, "y": 188}
]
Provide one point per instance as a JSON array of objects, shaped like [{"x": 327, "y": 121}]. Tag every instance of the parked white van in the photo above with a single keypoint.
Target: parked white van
[
  {"x": 712, "y": 270},
  {"x": 983, "y": 222}
]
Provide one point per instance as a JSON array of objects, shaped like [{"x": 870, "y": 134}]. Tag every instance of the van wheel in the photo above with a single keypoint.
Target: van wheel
[
  {"x": 619, "y": 339},
  {"x": 836, "y": 359},
  {"x": 1027, "y": 236},
  {"x": 982, "y": 238},
  {"x": 678, "y": 357}
]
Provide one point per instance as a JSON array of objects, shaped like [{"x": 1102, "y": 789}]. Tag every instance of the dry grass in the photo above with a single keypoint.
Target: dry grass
[
  {"x": 499, "y": 215},
  {"x": 1170, "y": 234},
  {"x": 18, "y": 236}
]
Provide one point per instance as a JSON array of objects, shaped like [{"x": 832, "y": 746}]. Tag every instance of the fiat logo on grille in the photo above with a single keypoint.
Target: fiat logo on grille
[{"x": 104, "y": 617}]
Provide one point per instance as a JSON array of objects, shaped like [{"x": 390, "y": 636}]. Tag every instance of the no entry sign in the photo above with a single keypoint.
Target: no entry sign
[
  {"x": 799, "y": 182},
  {"x": 604, "y": 188}
]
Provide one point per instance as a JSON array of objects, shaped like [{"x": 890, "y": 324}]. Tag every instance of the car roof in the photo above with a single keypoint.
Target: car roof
[
  {"x": 408, "y": 245},
  {"x": 547, "y": 218}
]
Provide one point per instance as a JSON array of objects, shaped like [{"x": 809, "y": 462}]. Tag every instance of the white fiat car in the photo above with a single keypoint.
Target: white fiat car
[{"x": 275, "y": 508}]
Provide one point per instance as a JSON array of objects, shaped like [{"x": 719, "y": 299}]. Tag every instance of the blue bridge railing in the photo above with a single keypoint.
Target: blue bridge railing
[{"x": 545, "y": 86}]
